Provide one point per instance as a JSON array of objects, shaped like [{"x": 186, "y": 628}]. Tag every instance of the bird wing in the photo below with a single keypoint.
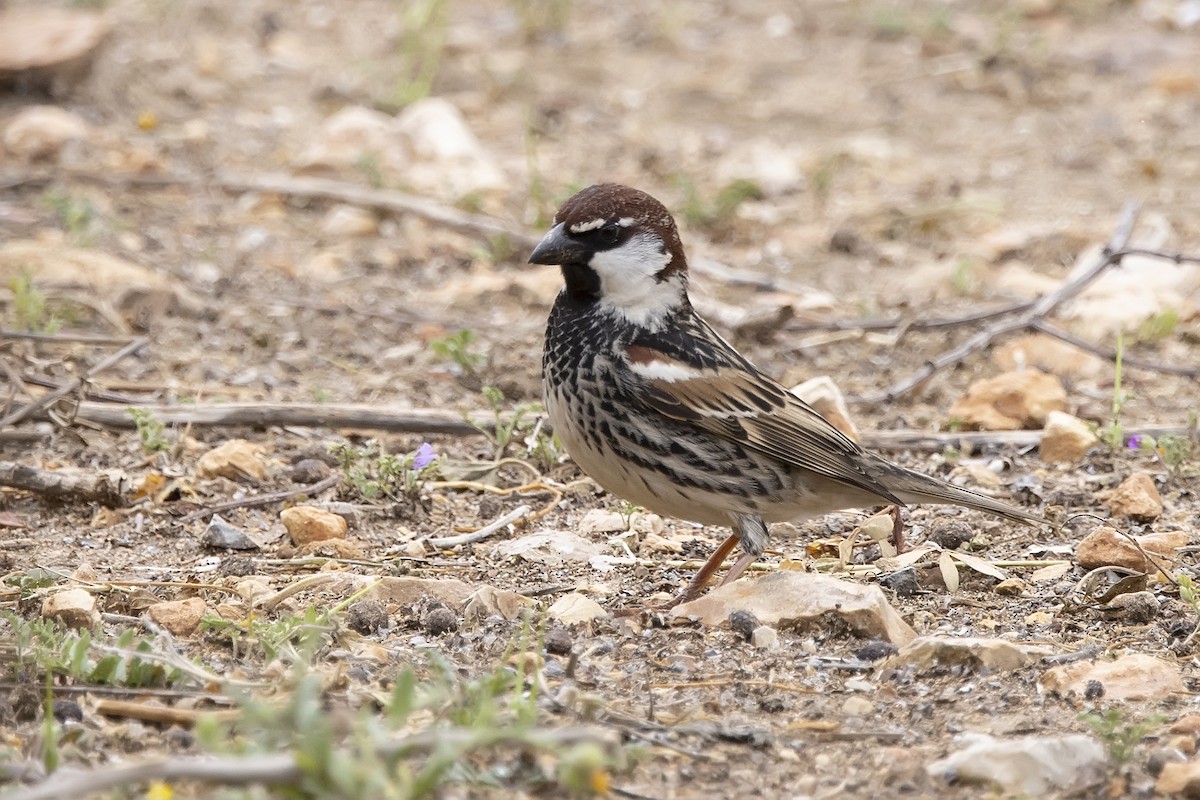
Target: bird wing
[{"x": 692, "y": 375}]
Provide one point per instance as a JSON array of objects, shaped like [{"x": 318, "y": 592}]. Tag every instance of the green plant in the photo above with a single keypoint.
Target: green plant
[
  {"x": 507, "y": 426},
  {"x": 422, "y": 43},
  {"x": 1113, "y": 434},
  {"x": 295, "y": 638},
  {"x": 1119, "y": 736},
  {"x": 151, "y": 433},
  {"x": 1157, "y": 326},
  {"x": 29, "y": 310},
  {"x": 964, "y": 278},
  {"x": 433, "y": 730},
  {"x": 457, "y": 349},
  {"x": 42, "y": 647},
  {"x": 76, "y": 214},
  {"x": 721, "y": 210},
  {"x": 375, "y": 474}
]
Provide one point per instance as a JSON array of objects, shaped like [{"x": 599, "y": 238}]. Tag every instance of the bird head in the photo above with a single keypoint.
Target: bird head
[{"x": 619, "y": 248}]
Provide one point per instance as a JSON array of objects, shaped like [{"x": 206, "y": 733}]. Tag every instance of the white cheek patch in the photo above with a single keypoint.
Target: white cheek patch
[{"x": 629, "y": 282}]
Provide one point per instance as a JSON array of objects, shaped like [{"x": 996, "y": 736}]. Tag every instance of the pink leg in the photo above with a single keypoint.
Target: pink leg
[{"x": 705, "y": 574}]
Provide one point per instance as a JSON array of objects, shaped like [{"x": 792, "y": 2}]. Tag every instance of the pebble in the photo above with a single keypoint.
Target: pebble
[
  {"x": 857, "y": 706},
  {"x": 367, "y": 616},
  {"x": 221, "y": 535},
  {"x": 743, "y": 623},
  {"x": 558, "y": 640},
  {"x": 764, "y": 637},
  {"x": 439, "y": 620},
  {"x": 903, "y": 582}
]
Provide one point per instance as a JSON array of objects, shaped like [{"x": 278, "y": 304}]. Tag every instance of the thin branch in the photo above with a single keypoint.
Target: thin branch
[
  {"x": 1109, "y": 354},
  {"x": 1112, "y": 254},
  {"x": 969, "y": 318},
  {"x": 487, "y": 530},
  {"x": 264, "y": 499},
  {"x": 64, "y": 485},
  {"x": 935, "y": 442},
  {"x": 311, "y": 415},
  {"x": 283, "y": 769},
  {"x": 65, "y": 337},
  {"x": 49, "y": 399}
]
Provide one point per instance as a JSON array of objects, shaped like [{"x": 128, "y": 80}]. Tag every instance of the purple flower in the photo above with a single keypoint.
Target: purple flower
[
  {"x": 424, "y": 456},
  {"x": 1135, "y": 442}
]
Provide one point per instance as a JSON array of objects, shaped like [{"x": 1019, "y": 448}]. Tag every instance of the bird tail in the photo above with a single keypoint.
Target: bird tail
[{"x": 913, "y": 487}]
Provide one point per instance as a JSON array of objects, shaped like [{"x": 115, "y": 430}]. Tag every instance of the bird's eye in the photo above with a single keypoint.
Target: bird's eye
[{"x": 610, "y": 232}]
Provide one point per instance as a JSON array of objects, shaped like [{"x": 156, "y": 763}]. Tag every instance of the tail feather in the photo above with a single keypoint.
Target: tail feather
[{"x": 913, "y": 487}]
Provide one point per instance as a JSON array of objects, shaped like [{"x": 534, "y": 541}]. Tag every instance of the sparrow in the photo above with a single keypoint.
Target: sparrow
[{"x": 658, "y": 409}]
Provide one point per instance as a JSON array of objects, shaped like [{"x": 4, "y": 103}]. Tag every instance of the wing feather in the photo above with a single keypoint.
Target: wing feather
[{"x": 720, "y": 392}]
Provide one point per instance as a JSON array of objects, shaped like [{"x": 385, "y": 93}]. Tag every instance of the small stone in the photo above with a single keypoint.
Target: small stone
[
  {"x": 788, "y": 598},
  {"x": 1010, "y": 587},
  {"x": 346, "y": 221},
  {"x": 743, "y": 623},
  {"x": 1137, "y": 498},
  {"x": 1107, "y": 547},
  {"x": 1187, "y": 724},
  {"x": 447, "y": 157},
  {"x": 1159, "y": 757},
  {"x": 558, "y": 640},
  {"x": 251, "y": 589},
  {"x": 903, "y": 582},
  {"x": 1133, "y": 608},
  {"x": 48, "y": 49},
  {"x": 1182, "y": 779},
  {"x": 972, "y": 652},
  {"x": 1065, "y": 438},
  {"x": 235, "y": 567},
  {"x": 1039, "y": 618},
  {"x": 875, "y": 650},
  {"x": 951, "y": 533},
  {"x": 1032, "y": 766},
  {"x": 575, "y": 608},
  {"x": 858, "y": 706},
  {"x": 367, "y": 616},
  {"x": 1183, "y": 743},
  {"x": 307, "y": 524},
  {"x": 599, "y": 520},
  {"x": 1131, "y": 677},
  {"x": 764, "y": 637},
  {"x": 180, "y": 617},
  {"x": 75, "y": 608},
  {"x": 309, "y": 470},
  {"x": 440, "y": 620},
  {"x": 42, "y": 131},
  {"x": 221, "y": 535},
  {"x": 67, "y": 710},
  {"x": 236, "y": 459},
  {"x": 1011, "y": 401}
]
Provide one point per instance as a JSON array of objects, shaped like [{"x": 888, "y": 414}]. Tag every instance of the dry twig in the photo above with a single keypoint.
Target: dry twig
[
  {"x": 74, "y": 384},
  {"x": 64, "y": 485},
  {"x": 264, "y": 499},
  {"x": 479, "y": 535}
]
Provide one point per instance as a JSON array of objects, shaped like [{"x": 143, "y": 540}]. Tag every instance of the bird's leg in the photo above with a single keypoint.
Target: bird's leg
[
  {"x": 701, "y": 578},
  {"x": 752, "y": 532},
  {"x": 897, "y": 527}
]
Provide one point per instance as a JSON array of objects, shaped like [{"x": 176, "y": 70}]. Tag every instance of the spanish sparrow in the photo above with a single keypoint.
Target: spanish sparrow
[{"x": 663, "y": 412}]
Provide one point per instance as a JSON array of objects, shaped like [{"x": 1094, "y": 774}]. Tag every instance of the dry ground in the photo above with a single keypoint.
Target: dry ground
[{"x": 917, "y": 133}]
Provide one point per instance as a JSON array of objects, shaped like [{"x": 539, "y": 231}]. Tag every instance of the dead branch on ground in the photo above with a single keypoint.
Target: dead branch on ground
[{"x": 63, "y": 485}]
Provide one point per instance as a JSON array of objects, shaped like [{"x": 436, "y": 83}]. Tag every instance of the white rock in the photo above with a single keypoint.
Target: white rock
[
  {"x": 773, "y": 168},
  {"x": 857, "y": 706},
  {"x": 551, "y": 548},
  {"x": 787, "y": 599},
  {"x": 42, "y": 131},
  {"x": 447, "y": 157},
  {"x": 599, "y": 520},
  {"x": 764, "y": 637},
  {"x": 1065, "y": 438},
  {"x": 574, "y": 608},
  {"x": 1031, "y": 766},
  {"x": 353, "y": 134},
  {"x": 346, "y": 221}
]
